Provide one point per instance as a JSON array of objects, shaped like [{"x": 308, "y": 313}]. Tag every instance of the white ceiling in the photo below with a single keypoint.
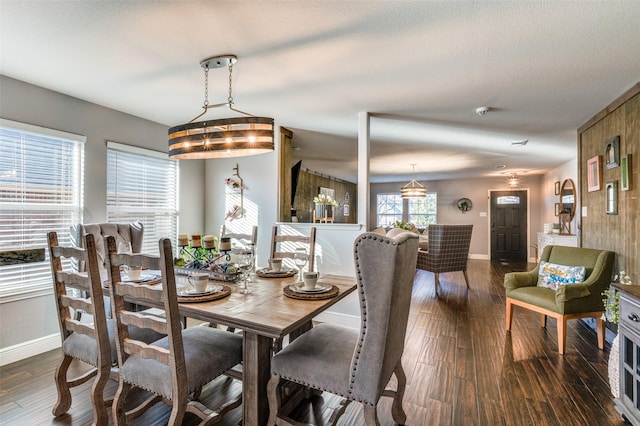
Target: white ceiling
[{"x": 420, "y": 67}]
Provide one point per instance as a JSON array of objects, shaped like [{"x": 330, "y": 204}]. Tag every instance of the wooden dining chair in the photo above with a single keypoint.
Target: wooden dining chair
[
  {"x": 240, "y": 241},
  {"x": 87, "y": 342},
  {"x": 282, "y": 245},
  {"x": 357, "y": 364},
  {"x": 174, "y": 369}
]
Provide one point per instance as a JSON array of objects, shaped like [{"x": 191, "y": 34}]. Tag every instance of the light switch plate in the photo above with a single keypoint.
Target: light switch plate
[{"x": 584, "y": 211}]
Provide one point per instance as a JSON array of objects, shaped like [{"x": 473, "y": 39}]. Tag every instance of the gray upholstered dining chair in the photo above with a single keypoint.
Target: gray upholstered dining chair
[
  {"x": 175, "y": 368},
  {"x": 358, "y": 364},
  {"x": 281, "y": 245},
  {"x": 90, "y": 342},
  {"x": 87, "y": 342},
  {"x": 448, "y": 251},
  {"x": 240, "y": 241},
  {"x": 123, "y": 232}
]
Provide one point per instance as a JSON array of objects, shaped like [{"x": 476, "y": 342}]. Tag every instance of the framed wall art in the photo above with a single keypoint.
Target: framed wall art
[
  {"x": 594, "y": 177},
  {"x": 611, "y": 192},
  {"x": 625, "y": 172},
  {"x": 557, "y": 187},
  {"x": 558, "y": 209},
  {"x": 612, "y": 152},
  {"x": 328, "y": 191}
]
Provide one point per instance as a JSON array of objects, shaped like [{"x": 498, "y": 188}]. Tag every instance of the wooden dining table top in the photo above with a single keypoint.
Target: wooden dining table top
[{"x": 267, "y": 311}]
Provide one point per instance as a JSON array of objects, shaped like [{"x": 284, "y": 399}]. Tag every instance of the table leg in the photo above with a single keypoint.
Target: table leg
[{"x": 256, "y": 372}]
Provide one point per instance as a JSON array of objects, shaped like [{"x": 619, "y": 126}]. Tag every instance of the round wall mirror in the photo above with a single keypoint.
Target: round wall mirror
[{"x": 568, "y": 198}]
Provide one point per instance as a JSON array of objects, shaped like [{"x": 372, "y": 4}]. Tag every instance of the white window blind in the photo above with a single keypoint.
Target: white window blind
[
  {"x": 41, "y": 178},
  {"x": 142, "y": 185}
]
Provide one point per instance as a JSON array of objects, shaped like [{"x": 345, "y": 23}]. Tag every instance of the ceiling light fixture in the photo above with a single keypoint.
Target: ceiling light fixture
[
  {"x": 513, "y": 180},
  {"x": 519, "y": 143},
  {"x": 224, "y": 137},
  {"x": 413, "y": 189}
]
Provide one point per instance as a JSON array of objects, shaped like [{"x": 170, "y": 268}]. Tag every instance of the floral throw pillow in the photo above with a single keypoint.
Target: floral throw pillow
[{"x": 551, "y": 275}]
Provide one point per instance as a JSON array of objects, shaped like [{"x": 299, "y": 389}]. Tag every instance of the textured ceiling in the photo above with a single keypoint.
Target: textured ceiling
[{"x": 421, "y": 68}]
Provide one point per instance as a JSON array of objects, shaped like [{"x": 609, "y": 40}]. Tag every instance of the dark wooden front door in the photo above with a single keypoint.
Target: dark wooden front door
[{"x": 509, "y": 225}]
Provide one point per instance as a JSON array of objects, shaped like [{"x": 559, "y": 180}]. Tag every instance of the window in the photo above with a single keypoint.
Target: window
[
  {"x": 142, "y": 185},
  {"x": 41, "y": 178},
  {"x": 389, "y": 209},
  {"x": 423, "y": 211}
]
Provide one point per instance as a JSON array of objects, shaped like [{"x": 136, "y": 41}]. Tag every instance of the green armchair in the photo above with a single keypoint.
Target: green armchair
[{"x": 571, "y": 301}]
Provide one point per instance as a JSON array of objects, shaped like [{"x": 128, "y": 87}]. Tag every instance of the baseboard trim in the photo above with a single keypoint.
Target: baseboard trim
[
  {"x": 351, "y": 321},
  {"x": 28, "y": 349},
  {"x": 479, "y": 256}
]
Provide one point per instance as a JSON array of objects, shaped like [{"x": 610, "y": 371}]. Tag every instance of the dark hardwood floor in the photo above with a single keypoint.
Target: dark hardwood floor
[{"x": 462, "y": 368}]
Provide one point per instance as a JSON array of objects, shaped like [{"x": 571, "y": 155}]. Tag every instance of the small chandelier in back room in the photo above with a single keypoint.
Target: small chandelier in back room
[
  {"x": 224, "y": 137},
  {"x": 513, "y": 180},
  {"x": 413, "y": 189}
]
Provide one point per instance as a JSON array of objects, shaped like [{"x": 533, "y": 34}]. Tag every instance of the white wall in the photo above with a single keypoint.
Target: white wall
[
  {"x": 568, "y": 170},
  {"x": 34, "y": 319}
]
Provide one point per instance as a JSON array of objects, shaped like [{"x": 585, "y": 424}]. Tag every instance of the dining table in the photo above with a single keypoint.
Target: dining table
[{"x": 263, "y": 315}]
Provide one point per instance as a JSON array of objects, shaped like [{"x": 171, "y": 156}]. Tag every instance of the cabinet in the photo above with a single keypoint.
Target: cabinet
[
  {"x": 556, "y": 240},
  {"x": 628, "y": 404}
]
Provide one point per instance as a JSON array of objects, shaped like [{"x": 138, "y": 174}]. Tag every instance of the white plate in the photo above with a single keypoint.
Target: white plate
[
  {"x": 320, "y": 288},
  {"x": 192, "y": 292}
]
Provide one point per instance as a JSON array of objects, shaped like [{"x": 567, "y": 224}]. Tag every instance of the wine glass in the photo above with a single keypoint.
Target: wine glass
[
  {"x": 300, "y": 259},
  {"x": 245, "y": 265}
]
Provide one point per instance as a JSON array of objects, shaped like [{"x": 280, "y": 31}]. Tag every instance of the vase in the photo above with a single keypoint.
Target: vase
[
  {"x": 614, "y": 367},
  {"x": 329, "y": 210},
  {"x": 319, "y": 210}
]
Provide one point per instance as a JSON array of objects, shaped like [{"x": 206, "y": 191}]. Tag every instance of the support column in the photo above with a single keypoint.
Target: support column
[{"x": 364, "y": 151}]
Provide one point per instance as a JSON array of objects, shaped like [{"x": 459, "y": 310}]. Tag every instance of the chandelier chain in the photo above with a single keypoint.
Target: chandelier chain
[
  {"x": 230, "y": 99},
  {"x": 206, "y": 86}
]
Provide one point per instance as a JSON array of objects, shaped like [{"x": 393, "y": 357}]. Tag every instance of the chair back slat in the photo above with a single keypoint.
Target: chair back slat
[
  {"x": 136, "y": 347},
  {"x": 76, "y": 303},
  {"x": 139, "y": 291},
  {"x": 139, "y": 320},
  {"x": 82, "y": 328},
  {"x": 279, "y": 242},
  {"x": 75, "y": 280}
]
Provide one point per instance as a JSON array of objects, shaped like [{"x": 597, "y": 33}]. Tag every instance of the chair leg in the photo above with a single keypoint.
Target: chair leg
[
  {"x": 600, "y": 330},
  {"x": 466, "y": 278},
  {"x": 508, "y": 314},
  {"x": 397, "y": 412},
  {"x": 543, "y": 321},
  {"x": 100, "y": 416},
  {"x": 273, "y": 395},
  {"x": 370, "y": 415},
  {"x": 64, "y": 394},
  {"x": 177, "y": 413},
  {"x": 562, "y": 334},
  {"x": 437, "y": 281},
  {"x": 119, "y": 413}
]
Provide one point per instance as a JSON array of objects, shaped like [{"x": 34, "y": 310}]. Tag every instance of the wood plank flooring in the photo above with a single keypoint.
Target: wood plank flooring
[{"x": 462, "y": 368}]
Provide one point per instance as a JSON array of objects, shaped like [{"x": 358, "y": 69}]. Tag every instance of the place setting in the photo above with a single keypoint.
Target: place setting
[
  {"x": 310, "y": 288},
  {"x": 201, "y": 290},
  {"x": 275, "y": 270}
]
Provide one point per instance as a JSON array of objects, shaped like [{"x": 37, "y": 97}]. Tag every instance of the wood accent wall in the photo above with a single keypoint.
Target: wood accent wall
[
  {"x": 309, "y": 184},
  {"x": 284, "y": 174},
  {"x": 621, "y": 232}
]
